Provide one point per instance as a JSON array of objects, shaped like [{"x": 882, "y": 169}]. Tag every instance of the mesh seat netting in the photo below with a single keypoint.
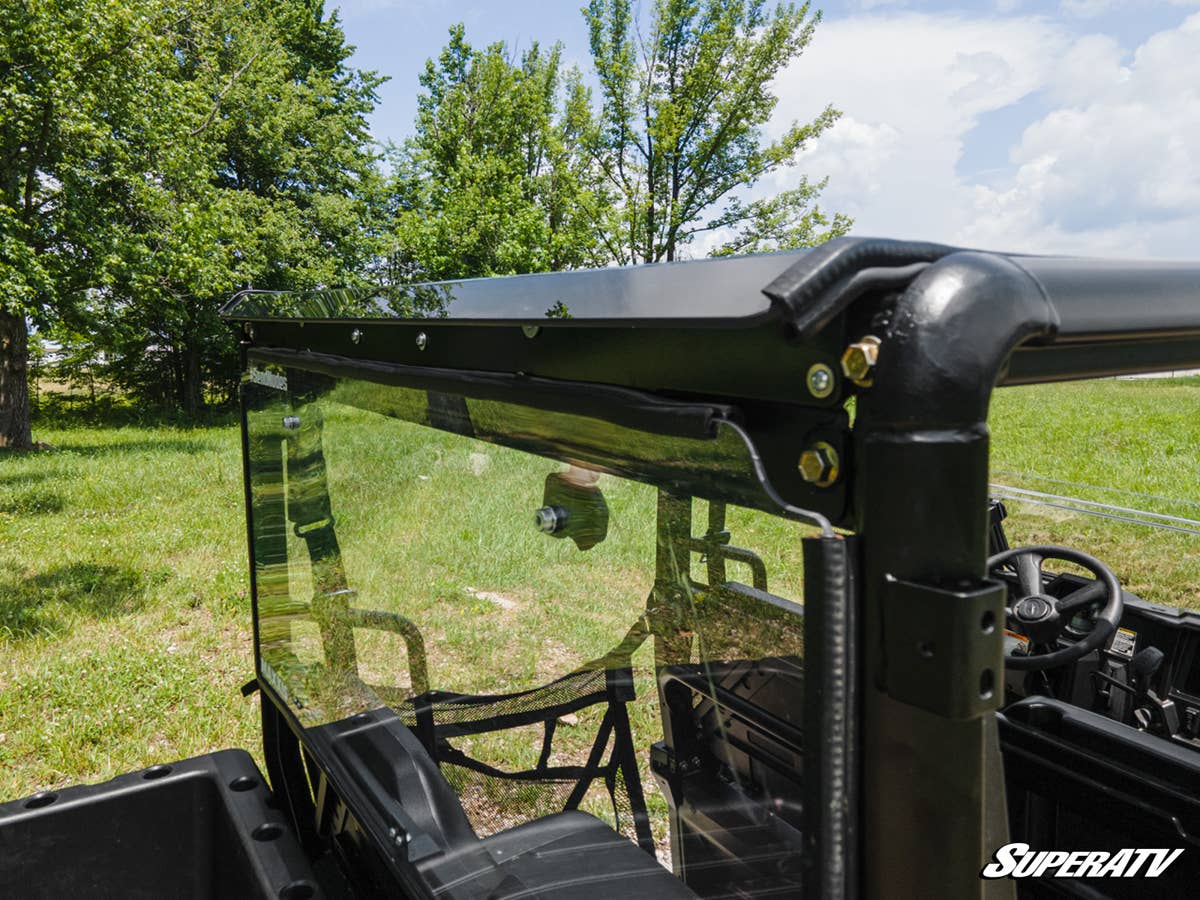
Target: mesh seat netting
[{"x": 600, "y": 772}]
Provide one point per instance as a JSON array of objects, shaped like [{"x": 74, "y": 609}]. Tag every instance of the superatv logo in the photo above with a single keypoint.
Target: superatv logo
[{"x": 1019, "y": 861}]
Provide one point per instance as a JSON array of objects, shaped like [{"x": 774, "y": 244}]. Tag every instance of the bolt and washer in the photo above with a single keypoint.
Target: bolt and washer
[
  {"x": 859, "y": 360},
  {"x": 422, "y": 340},
  {"x": 820, "y": 380},
  {"x": 819, "y": 464},
  {"x": 356, "y": 335}
]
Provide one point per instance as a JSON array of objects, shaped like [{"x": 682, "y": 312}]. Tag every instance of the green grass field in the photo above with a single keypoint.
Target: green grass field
[
  {"x": 124, "y": 618},
  {"x": 125, "y": 623}
]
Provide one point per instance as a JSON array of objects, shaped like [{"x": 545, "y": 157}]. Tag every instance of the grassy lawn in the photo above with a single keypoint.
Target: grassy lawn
[
  {"x": 124, "y": 618},
  {"x": 1138, "y": 442}
]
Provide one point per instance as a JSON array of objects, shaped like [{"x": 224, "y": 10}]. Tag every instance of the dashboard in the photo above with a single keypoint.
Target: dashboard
[
  {"x": 1146, "y": 676},
  {"x": 1151, "y": 663}
]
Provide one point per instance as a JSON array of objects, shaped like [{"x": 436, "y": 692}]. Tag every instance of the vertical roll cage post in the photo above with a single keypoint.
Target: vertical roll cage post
[{"x": 933, "y": 787}]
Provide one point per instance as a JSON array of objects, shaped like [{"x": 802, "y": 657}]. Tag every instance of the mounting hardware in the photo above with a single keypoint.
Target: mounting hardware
[
  {"x": 356, "y": 335},
  {"x": 291, "y": 423},
  {"x": 820, "y": 380},
  {"x": 859, "y": 360},
  {"x": 939, "y": 658},
  {"x": 550, "y": 519},
  {"x": 819, "y": 464},
  {"x": 531, "y": 331},
  {"x": 422, "y": 340}
]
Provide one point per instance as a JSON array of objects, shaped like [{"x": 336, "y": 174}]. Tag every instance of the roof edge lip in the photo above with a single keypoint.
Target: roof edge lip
[
  {"x": 724, "y": 290},
  {"x": 707, "y": 324},
  {"x": 1096, "y": 299}
]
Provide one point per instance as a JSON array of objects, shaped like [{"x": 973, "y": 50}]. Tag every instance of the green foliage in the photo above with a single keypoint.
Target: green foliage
[
  {"x": 156, "y": 156},
  {"x": 679, "y": 137},
  {"x": 76, "y": 90},
  {"x": 265, "y": 181},
  {"x": 79, "y": 94},
  {"x": 493, "y": 181},
  {"x": 513, "y": 169}
]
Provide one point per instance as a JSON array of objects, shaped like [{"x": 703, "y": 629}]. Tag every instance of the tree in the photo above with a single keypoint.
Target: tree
[
  {"x": 493, "y": 181},
  {"x": 156, "y": 156},
  {"x": 679, "y": 137},
  {"x": 268, "y": 182},
  {"x": 77, "y": 93}
]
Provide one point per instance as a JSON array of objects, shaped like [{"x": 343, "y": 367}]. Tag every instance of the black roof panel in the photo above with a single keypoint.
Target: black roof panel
[{"x": 719, "y": 290}]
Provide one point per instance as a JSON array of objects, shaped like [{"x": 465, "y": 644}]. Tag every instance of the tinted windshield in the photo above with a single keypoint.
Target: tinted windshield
[{"x": 537, "y": 634}]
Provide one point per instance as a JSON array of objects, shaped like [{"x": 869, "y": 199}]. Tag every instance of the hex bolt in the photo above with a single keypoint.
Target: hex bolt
[
  {"x": 859, "y": 359},
  {"x": 819, "y": 465},
  {"x": 422, "y": 340},
  {"x": 356, "y": 335},
  {"x": 291, "y": 423},
  {"x": 550, "y": 519},
  {"x": 820, "y": 380}
]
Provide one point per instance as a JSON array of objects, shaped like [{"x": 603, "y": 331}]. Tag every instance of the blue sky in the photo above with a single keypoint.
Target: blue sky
[{"x": 1069, "y": 126}]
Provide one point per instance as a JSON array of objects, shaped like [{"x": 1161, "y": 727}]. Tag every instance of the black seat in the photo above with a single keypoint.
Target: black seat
[
  {"x": 565, "y": 856},
  {"x": 575, "y": 856}
]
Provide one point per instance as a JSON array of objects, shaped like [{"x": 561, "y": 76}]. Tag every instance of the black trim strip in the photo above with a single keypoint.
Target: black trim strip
[{"x": 619, "y": 406}]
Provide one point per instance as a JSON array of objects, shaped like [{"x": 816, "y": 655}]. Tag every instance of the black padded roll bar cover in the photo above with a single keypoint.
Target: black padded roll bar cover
[
  {"x": 816, "y": 287},
  {"x": 830, "y": 697}
]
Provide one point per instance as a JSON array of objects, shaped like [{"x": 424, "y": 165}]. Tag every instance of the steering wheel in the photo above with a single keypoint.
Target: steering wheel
[{"x": 1042, "y": 618}]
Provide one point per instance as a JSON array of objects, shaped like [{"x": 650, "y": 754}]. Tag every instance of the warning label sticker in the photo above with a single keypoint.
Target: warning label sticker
[{"x": 1123, "y": 642}]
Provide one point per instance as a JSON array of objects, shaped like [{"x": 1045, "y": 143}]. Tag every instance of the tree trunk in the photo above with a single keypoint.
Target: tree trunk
[
  {"x": 193, "y": 387},
  {"x": 15, "y": 431}
]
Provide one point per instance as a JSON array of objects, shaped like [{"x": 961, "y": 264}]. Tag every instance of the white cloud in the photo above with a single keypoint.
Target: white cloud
[
  {"x": 1118, "y": 169},
  {"x": 1091, "y": 68},
  {"x": 879, "y": 4},
  {"x": 910, "y": 87},
  {"x": 1086, "y": 9},
  {"x": 1110, "y": 168}
]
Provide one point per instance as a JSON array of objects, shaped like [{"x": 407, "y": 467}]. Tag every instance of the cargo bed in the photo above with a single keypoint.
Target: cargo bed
[{"x": 200, "y": 828}]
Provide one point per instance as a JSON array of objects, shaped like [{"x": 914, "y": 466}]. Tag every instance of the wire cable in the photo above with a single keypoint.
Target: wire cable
[{"x": 760, "y": 472}]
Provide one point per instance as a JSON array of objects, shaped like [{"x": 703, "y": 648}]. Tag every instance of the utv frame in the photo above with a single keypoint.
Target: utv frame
[{"x": 910, "y": 774}]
